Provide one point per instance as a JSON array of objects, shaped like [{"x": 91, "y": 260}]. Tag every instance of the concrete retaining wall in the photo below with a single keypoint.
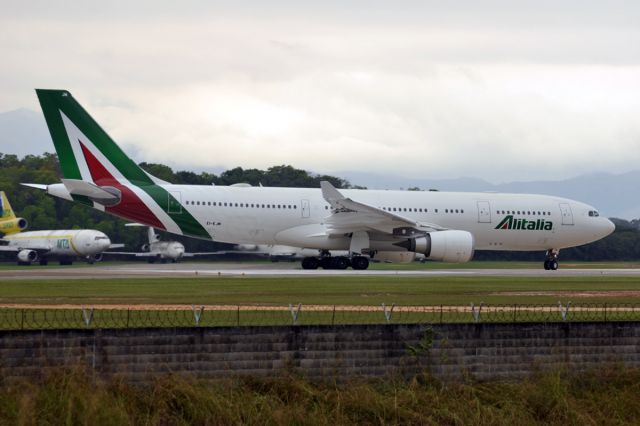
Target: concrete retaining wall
[{"x": 449, "y": 351}]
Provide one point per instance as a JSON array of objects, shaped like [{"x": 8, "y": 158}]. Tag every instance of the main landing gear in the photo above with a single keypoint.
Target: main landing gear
[
  {"x": 337, "y": 262},
  {"x": 551, "y": 260}
]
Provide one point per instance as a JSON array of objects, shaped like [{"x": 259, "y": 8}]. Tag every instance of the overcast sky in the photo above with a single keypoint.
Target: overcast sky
[{"x": 500, "y": 90}]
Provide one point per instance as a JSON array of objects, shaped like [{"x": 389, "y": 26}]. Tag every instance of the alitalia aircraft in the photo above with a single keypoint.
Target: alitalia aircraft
[
  {"x": 40, "y": 246},
  {"x": 444, "y": 226}
]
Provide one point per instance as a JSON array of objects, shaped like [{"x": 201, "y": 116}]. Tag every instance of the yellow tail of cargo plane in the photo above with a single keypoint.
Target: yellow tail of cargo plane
[{"x": 9, "y": 223}]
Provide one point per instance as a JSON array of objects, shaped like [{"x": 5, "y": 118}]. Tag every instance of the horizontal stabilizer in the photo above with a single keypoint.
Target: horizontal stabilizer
[
  {"x": 107, "y": 196},
  {"x": 35, "y": 185}
]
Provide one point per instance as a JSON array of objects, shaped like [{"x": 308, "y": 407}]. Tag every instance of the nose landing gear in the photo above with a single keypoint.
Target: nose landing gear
[{"x": 551, "y": 261}]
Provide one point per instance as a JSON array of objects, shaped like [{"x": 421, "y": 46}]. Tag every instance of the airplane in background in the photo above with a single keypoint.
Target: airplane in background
[
  {"x": 443, "y": 226},
  {"x": 160, "y": 251},
  {"x": 40, "y": 246}
]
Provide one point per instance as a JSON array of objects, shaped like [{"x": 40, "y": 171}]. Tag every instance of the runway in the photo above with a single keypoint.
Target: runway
[{"x": 184, "y": 270}]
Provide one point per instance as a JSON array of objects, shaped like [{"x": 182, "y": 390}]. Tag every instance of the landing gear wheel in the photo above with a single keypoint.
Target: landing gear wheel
[
  {"x": 310, "y": 263},
  {"x": 551, "y": 261},
  {"x": 340, "y": 262},
  {"x": 359, "y": 263}
]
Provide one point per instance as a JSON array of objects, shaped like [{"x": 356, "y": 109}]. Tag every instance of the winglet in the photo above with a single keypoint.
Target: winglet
[{"x": 330, "y": 193}]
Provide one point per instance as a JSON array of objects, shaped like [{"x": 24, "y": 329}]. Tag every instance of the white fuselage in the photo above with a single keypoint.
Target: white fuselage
[
  {"x": 296, "y": 216},
  {"x": 166, "y": 249},
  {"x": 61, "y": 243}
]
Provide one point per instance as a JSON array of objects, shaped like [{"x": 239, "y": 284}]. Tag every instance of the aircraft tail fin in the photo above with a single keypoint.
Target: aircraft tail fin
[
  {"x": 153, "y": 237},
  {"x": 9, "y": 223},
  {"x": 86, "y": 152},
  {"x": 6, "y": 212}
]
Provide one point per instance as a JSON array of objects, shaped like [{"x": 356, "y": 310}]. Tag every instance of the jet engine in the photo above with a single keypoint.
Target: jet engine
[
  {"x": 144, "y": 247},
  {"x": 13, "y": 226},
  {"x": 96, "y": 257},
  {"x": 27, "y": 256},
  {"x": 445, "y": 246},
  {"x": 394, "y": 256}
]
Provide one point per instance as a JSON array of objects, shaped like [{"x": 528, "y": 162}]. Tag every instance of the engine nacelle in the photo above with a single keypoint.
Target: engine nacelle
[
  {"x": 27, "y": 256},
  {"x": 13, "y": 226},
  {"x": 97, "y": 257},
  {"x": 445, "y": 246},
  {"x": 144, "y": 247},
  {"x": 395, "y": 256}
]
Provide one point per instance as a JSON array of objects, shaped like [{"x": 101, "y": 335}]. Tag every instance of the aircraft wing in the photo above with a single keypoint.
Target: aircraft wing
[
  {"x": 204, "y": 253},
  {"x": 154, "y": 254},
  {"x": 16, "y": 249},
  {"x": 131, "y": 253},
  {"x": 351, "y": 216}
]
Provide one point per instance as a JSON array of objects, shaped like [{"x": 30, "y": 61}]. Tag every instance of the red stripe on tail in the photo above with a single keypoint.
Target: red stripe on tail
[{"x": 131, "y": 207}]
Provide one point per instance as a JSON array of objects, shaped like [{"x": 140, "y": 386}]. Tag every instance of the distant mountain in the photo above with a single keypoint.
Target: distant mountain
[
  {"x": 24, "y": 132},
  {"x": 614, "y": 195}
]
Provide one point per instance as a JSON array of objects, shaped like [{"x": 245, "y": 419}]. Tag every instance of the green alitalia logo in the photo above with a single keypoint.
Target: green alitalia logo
[{"x": 509, "y": 222}]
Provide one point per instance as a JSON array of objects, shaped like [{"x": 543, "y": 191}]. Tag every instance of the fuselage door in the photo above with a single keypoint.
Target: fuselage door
[
  {"x": 305, "y": 210},
  {"x": 174, "y": 203},
  {"x": 484, "y": 212},
  {"x": 567, "y": 215}
]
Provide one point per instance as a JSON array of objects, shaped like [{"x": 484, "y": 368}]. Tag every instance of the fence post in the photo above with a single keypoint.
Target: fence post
[
  {"x": 87, "y": 316},
  {"x": 333, "y": 316},
  {"x": 387, "y": 314},
  {"x": 476, "y": 314},
  {"x": 197, "y": 314},
  {"x": 294, "y": 314},
  {"x": 564, "y": 310}
]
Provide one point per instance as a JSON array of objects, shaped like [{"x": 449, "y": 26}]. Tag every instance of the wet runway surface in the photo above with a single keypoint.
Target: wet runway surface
[{"x": 183, "y": 270}]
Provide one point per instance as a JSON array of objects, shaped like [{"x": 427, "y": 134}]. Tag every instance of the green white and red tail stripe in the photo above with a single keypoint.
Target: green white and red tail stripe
[{"x": 86, "y": 152}]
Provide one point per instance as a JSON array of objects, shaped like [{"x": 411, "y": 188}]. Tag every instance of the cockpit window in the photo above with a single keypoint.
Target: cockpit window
[{"x": 593, "y": 213}]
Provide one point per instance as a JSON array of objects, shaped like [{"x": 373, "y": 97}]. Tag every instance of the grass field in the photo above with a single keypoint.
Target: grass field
[
  {"x": 339, "y": 290},
  {"x": 608, "y": 396}
]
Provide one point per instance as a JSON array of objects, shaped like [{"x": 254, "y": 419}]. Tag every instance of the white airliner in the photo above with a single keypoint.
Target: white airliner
[
  {"x": 160, "y": 251},
  {"x": 40, "y": 246},
  {"x": 444, "y": 226}
]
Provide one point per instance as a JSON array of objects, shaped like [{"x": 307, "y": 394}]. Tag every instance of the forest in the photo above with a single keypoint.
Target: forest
[{"x": 45, "y": 212}]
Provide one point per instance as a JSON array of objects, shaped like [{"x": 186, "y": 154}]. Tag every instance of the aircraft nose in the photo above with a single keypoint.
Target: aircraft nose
[
  {"x": 608, "y": 227},
  {"x": 105, "y": 244}
]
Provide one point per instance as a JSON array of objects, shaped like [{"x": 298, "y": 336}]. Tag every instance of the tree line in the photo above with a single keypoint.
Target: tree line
[{"x": 45, "y": 212}]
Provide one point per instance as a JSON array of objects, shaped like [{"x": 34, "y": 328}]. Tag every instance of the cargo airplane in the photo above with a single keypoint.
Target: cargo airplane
[
  {"x": 40, "y": 246},
  {"x": 388, "y": 225}
]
